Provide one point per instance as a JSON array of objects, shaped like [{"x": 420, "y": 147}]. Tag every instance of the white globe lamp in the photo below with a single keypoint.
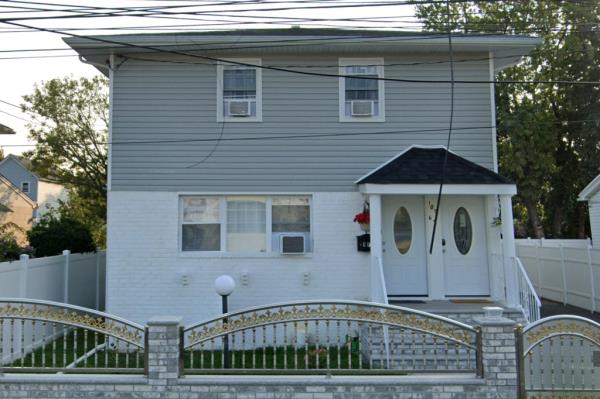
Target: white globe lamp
[{"x": 224, "y": 285}]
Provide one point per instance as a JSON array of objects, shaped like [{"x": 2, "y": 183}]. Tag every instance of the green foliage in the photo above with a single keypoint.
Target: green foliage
[
  {"x": 9, "y": 247},
  {"x": 57, "y": 231},
  {"x": 71, "y": 136},
  {"x": 548, "y": 134}
]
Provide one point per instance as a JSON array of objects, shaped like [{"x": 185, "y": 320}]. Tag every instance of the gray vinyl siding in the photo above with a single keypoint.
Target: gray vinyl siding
[{"x": 154, "y": 101}]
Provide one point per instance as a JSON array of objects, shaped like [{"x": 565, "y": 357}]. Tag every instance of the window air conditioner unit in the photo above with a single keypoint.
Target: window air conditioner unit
[
  {"x": 291, "y": 244},
  {"x": 239, "y": 108},
  {"x": 362, "y": 108}
]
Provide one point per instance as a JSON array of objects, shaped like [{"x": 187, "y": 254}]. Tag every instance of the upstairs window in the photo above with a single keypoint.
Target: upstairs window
[
  {"x": 239, "y": 92},
  {"x": 25, "y": 187},
  {"x": 361, "y": 93}
]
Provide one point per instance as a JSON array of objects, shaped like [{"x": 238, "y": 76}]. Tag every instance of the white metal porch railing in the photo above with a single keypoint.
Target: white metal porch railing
[
  {"x": 379, "y": 295},
  {"x": 528, "y": 298},
  {"x": 378, "y": 289}
]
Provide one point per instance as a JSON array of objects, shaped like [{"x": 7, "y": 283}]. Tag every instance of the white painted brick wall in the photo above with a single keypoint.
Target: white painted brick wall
[{"x": 144, "y": 265}]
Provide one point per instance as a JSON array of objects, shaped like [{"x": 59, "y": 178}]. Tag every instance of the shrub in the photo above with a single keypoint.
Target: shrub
[
  {"x": 55, "y": 233},
  {"x": 9, "y": 248}
]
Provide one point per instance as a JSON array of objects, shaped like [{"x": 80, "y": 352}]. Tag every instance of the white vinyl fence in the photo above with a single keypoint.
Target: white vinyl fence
[
  {"x": 78, "y": 279},
  {"x": 566, "y": 271}
]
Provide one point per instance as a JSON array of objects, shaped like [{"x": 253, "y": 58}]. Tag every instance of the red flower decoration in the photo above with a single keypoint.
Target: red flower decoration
[{"x": 362, "y": 217}]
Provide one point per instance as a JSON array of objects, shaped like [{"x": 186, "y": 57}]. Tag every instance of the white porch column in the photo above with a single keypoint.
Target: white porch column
[
  {"x": 509, "y": 252},
  {"x": 375, "y": 215}
]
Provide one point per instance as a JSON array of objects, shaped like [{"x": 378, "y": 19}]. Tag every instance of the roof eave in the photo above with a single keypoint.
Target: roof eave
[
  {"x": 590, "y": 190},
  {"x": 433, "y": 189}
]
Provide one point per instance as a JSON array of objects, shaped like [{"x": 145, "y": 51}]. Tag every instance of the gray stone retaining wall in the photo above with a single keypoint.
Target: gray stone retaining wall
[{"x": 163, "y": 381}]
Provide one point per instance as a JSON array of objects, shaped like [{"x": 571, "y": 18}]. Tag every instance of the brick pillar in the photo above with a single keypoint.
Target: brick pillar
[
  {"x": 163, "y": 350},
  {"x": 499, "y": 355}
]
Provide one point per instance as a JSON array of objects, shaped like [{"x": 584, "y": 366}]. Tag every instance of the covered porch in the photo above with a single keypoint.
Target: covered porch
[{"x": 472, "y": 255}]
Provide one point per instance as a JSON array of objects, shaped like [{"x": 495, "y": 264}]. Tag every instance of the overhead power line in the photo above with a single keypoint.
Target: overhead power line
[
  {"x": 16, "y": 117},
  {"x": 38, "y": 57},
  {"x": 299, "y": 136},
  {"x": 163, "y": 14},
  {"x": 450, "y": 125},
  {"x": 9, "y": 103},
  {"x": 296, "y": 71}
]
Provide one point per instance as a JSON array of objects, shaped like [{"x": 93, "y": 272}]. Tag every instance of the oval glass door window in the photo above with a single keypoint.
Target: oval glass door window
[
  {"x": 463, "y": 231},
  {"x": 402, "y": 230}
]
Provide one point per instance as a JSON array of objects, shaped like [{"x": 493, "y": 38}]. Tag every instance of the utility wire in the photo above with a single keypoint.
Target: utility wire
[
  {"x": 151, "y": 13},
  {"x": 299, "y": 72},
  {"x": 284, "y": 137},
  {"x": 439, "y": 196},
  {"x": 17, "y": 117},
  {"x": 38, "y": 57},
  {"x": 300, "y": 136},
  {"x": 9, "y": 103},
  {"x": 164, "y": 14},
  {"x": 212, "y": 151},
  {"x": 320, "y": 66}
]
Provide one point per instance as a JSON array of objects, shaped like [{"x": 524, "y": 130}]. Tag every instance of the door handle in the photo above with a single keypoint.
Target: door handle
[{"x": 443, "y": 242}]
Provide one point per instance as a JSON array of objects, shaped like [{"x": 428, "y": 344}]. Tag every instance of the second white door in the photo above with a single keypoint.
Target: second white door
[{"x": 464, "y": 246}]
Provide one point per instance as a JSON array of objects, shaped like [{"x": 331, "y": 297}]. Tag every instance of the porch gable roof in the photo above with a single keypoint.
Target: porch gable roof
[{"x": 420, "y": 165}]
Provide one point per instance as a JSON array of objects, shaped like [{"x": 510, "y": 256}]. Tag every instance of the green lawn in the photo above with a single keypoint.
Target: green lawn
[
  {"x": 65, "y": 349},
  {"x": 277, "y": 358},
  {"x": 62, "y": 351}
]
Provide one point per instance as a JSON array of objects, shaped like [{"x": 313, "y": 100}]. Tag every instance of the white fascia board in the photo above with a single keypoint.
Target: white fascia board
[
  {"x": 448, "y": 189},
  {"x": 590, "y": 189}
]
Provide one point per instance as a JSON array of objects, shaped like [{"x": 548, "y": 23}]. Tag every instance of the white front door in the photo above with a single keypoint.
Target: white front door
[
  {"x": 464, "y": 246},
  {"x": 403, "y": 245}
]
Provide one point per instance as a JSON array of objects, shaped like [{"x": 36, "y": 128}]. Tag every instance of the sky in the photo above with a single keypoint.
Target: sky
[{"x": 18, "y": 77}]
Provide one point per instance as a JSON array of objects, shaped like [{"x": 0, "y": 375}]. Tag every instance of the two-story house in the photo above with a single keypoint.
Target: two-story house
[{"x": 249, "y": 153}]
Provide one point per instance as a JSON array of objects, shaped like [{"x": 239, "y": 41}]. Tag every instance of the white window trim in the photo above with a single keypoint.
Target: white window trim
[
  {"x": 220, "y": 67},
  {"x": 28, "y": 187},
  {"x": 343, "y": 63},
  {"x": 223, "y": 253}
]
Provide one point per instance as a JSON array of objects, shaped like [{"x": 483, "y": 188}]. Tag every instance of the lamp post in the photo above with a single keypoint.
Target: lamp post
[{"x": 224, "y": 285}]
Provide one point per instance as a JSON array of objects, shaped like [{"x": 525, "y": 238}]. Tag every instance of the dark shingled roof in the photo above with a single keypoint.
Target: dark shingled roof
[{"x": 424, "y": 166}]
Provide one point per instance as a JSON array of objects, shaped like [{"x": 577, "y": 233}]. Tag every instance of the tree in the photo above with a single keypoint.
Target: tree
[
  {"x": 548, "y": 134},
  {"x": 71, "y": 131},
  {"x": 57, "y": 231}
]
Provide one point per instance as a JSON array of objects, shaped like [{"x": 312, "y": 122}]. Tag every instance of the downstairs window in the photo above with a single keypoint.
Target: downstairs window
[{"x": 245, "y": 224}]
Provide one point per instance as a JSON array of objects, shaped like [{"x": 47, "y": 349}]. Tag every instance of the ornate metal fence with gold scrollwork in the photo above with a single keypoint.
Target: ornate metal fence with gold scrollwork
[
  {"x": 46, "y": 336},
  {"x": 330, "y": 337},
  {"x": 559, "y": 357}
]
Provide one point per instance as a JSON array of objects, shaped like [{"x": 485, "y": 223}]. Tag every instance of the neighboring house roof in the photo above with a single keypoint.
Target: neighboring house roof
[
  {"x": 4, "y": 180},
  {"x": 508, "y": 49},
  {"x": 19, "y": 161},
  {"x": 6, "y": 130},
  {"x": 420, "y": 165},
  {"x": 590, "y": 190}
]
